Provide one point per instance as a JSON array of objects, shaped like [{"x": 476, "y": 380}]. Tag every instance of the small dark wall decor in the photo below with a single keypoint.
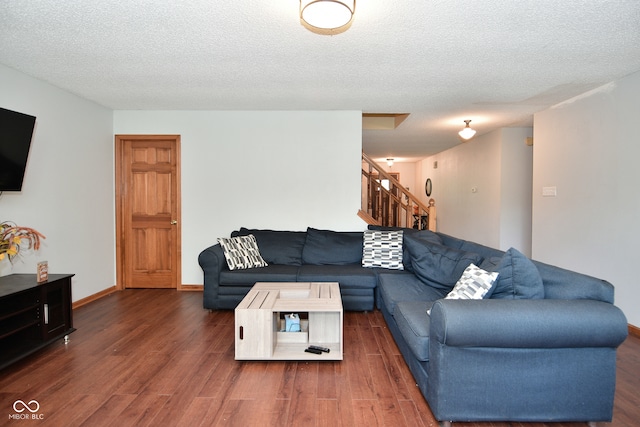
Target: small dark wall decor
[{"x": 428, "y": 187}]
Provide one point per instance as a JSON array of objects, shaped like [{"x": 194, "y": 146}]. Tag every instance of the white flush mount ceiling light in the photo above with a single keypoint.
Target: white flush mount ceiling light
[
  {"x": 390, "y": 161},
  {"x": 467, "y": 133},
  {"x": 327, "y": 16}
]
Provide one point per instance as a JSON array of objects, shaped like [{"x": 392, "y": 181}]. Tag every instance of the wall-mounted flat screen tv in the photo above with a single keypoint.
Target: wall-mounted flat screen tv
[{"x": 16, "y": 130}]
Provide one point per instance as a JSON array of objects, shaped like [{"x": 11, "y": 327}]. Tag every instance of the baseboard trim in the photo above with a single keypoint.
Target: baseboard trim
[
  {"x": 91, "y": 298},
  {"x": 191, "y": 288},
  {"x": 112, "y": 289},
  {"x": 634, "y": 330}
]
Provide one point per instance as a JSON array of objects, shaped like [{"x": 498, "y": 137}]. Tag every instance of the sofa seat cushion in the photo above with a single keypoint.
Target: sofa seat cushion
[
  {"x": 395, "y": 288},
  {"x": 235, "y": 291},
  {"x": 277, "y": 247},
  {"x": 414, "y": 322},
  {"x": 349, "y": 276},
  {"x": 332, "y": 247},
  {"x": 271, "y": 273}
]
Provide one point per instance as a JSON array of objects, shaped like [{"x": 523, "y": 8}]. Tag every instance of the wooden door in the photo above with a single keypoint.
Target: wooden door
[{"x": 148, "y": 214}]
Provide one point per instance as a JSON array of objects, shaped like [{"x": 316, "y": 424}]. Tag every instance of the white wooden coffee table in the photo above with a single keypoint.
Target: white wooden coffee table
[{"x": 259, "y": 323}]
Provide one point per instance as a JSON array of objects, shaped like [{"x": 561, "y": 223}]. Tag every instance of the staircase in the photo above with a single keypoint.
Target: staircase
[{"x": 387, "y": 203}]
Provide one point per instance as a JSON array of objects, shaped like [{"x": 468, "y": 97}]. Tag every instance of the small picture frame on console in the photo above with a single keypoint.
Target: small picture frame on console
[{"x": 42, "y": 272}]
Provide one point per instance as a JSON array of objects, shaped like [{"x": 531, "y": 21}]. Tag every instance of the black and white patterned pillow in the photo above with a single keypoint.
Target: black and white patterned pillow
[
  {"x": 241, "y": 252},
  {"x": 475, "y": 283},
  {"x": 382, "y": 248}
]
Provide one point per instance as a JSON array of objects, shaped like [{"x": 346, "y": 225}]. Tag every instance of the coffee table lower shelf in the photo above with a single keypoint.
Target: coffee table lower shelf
[{"x": 293, "y": 351}]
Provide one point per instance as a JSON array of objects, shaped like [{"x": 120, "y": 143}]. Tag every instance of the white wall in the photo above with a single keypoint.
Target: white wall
[
  {"x": 515, "y": 195},
  {"x": 482, "y": 189},
  {"x": 259, "y": 169},
  {"x": 67, "y": 192},
  {"x": 588, "y": 148}
]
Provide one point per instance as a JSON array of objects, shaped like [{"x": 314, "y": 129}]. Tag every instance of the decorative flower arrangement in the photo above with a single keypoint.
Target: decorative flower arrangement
[{"x": 13, "y": 238}]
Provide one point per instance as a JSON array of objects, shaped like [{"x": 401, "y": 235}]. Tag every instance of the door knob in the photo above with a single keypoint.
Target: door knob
[{"x": 174, "y": 222}]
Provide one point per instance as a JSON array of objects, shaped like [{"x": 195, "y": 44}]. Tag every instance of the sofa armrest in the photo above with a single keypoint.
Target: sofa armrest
[
  {"x": 212, "y": 261},
  {"x": 523, "y": 360},
  {"x": 543, "y": 323}
]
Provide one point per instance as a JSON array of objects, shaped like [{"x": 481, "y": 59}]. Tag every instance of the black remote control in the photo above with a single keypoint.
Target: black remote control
[
  {"x": 312, "y": 350},
  {"x": 316, "y": 347}
]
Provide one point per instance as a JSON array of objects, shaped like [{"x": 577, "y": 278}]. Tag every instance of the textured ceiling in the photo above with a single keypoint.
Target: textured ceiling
[{"x": 494, "y": 62}]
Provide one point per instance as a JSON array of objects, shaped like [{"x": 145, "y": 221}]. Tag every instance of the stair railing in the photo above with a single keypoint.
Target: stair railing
[{"x": 392, "y": 205}]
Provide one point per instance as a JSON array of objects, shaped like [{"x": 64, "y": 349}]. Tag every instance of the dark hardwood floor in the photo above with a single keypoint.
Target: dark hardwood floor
[{"x": 157, "y": 358}]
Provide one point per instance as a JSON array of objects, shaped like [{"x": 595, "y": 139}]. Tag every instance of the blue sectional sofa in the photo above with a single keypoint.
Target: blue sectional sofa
[
  {"x": 292, "y": 256},
  {"x": 539, "y": 347}
]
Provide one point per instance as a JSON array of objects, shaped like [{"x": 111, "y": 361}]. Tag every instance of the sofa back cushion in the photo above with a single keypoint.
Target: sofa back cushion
[
  {"x": 426, "y": 235},
  {"x": 437, "y": 265},
  {"x": 332, "y": 247},
  {"x": 560, "y": 283},
  {"x": 518, "y": 278},
  {"x": 491, "y": 256},
  {"x": 277, "y": 247}
]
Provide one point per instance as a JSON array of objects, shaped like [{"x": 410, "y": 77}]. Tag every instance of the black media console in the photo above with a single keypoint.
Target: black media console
[{"x": 33, "y": 315}]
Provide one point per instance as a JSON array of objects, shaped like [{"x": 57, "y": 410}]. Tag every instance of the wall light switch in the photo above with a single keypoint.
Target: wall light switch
[{"x": 549, "y": 191}]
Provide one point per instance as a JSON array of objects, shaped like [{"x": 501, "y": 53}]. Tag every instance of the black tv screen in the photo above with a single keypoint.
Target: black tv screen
[{"x": 16, "y": 130}]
